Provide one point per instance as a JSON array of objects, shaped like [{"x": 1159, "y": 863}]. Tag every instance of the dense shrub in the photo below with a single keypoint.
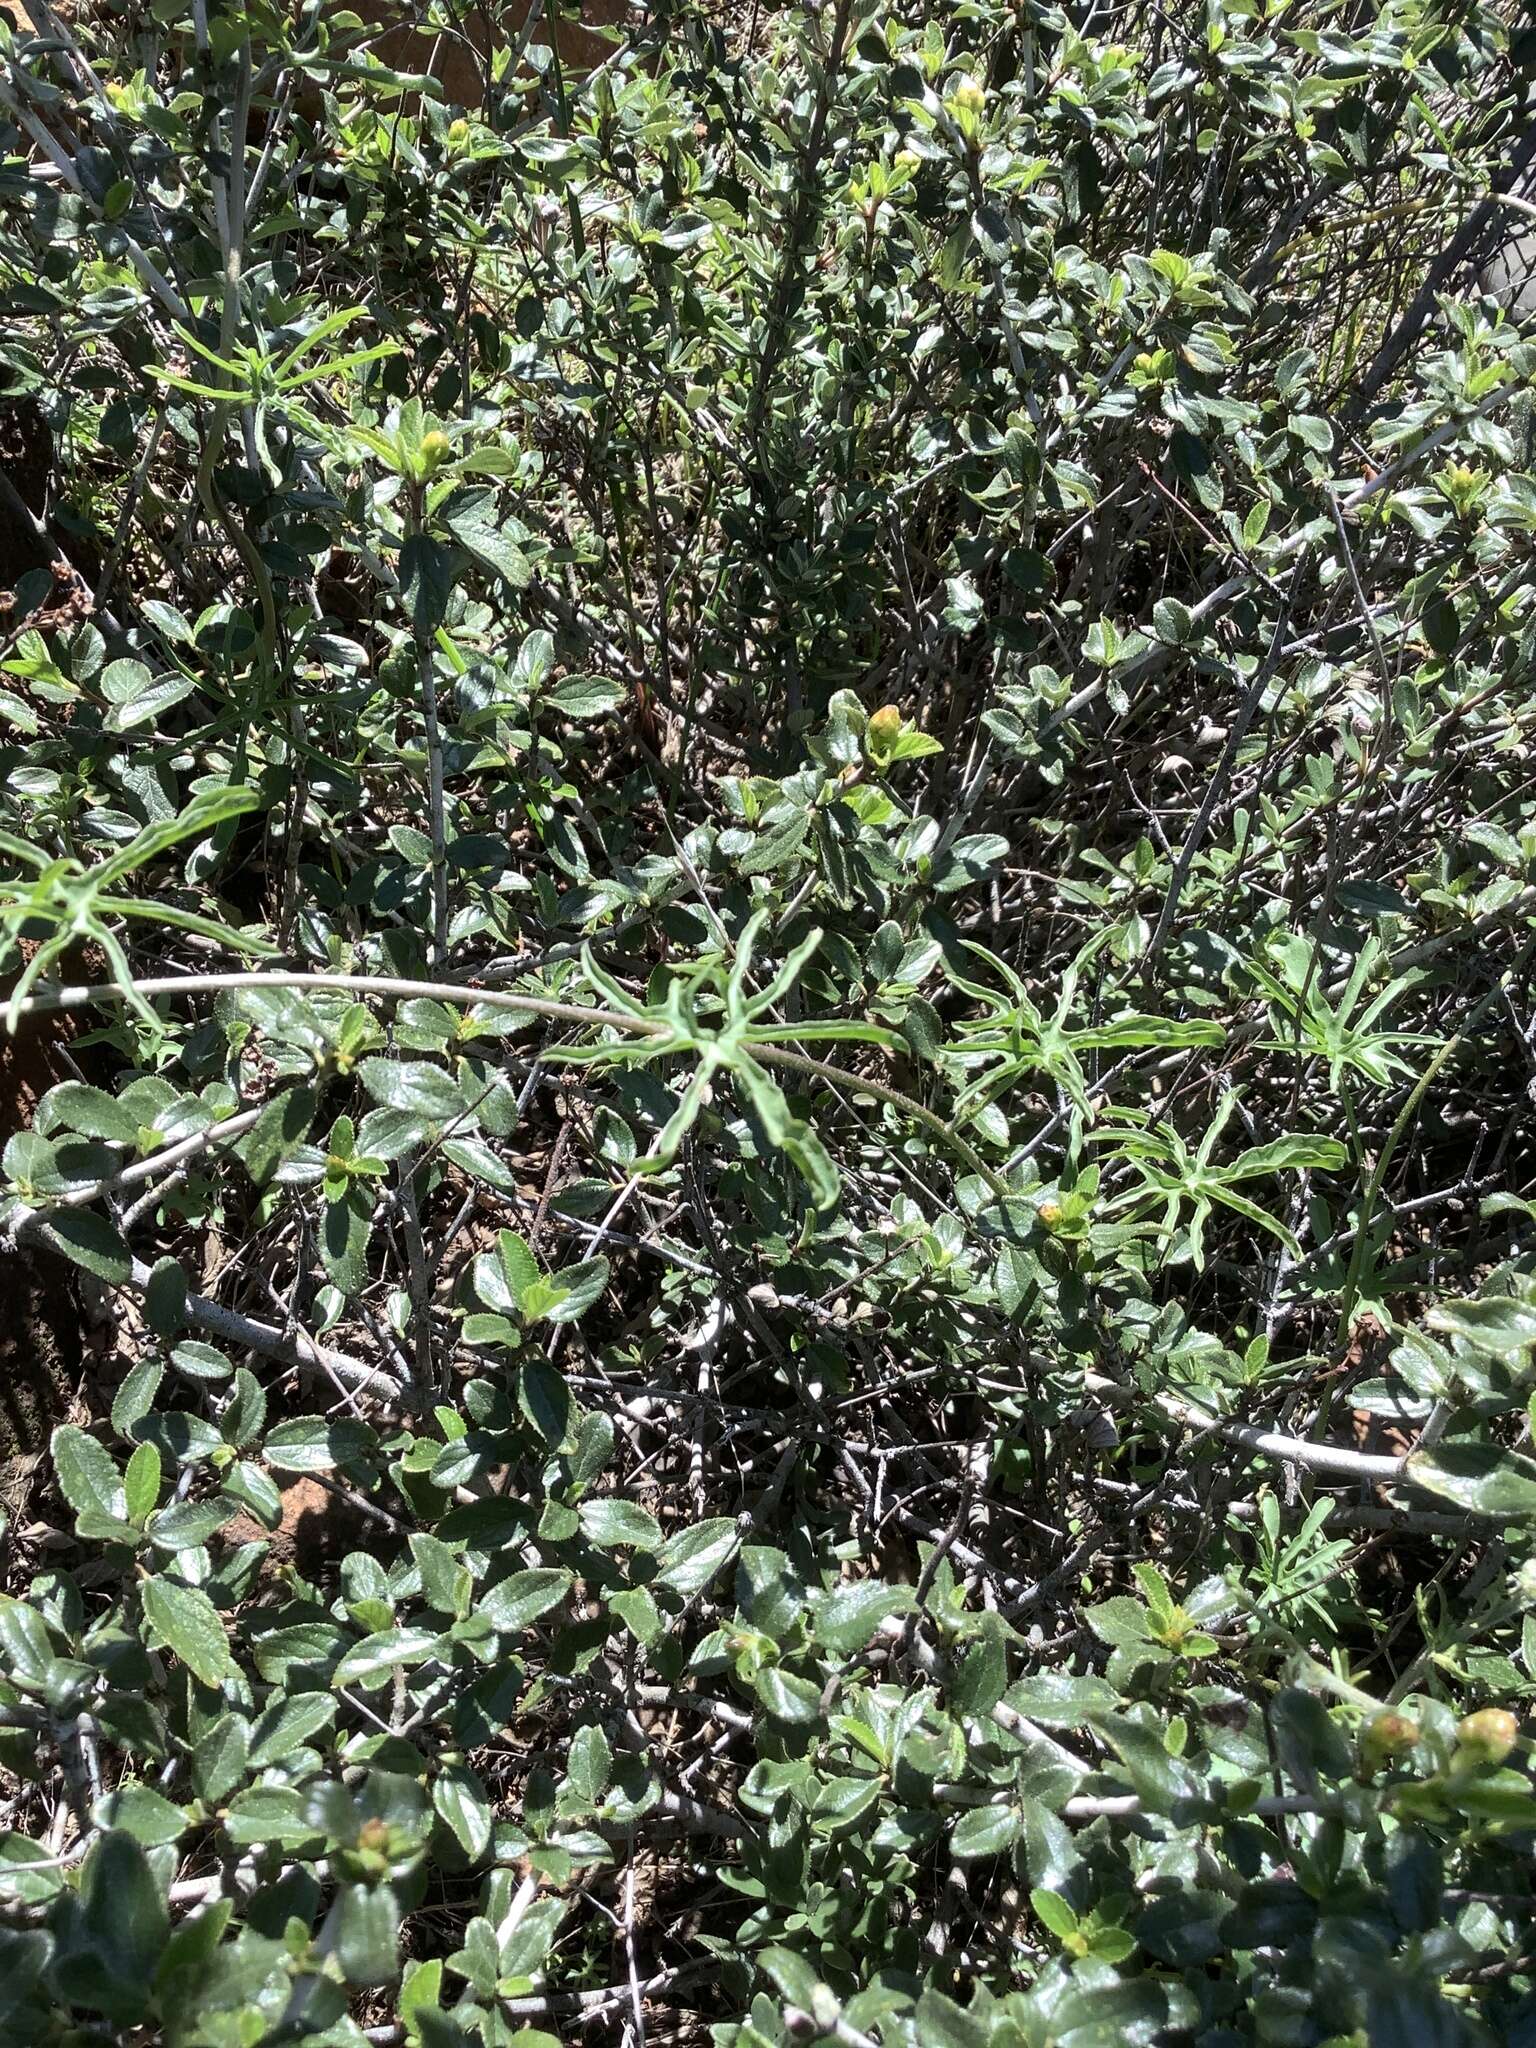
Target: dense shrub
[{"x": 769, "y": 882}]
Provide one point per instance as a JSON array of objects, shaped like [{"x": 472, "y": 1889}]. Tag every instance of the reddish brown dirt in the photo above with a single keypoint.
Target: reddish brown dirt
[{"x": 317, "y": 1529}]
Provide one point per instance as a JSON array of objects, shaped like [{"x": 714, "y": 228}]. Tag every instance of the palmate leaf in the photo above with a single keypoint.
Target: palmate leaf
[{"x": 727, "y": 1050}]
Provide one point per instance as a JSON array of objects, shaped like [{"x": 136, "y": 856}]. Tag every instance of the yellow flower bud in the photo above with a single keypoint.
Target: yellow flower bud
[
  {"x": 971, "y": 94},
  {"x": 1486, "y": 1737},
  {"x": 436, "y": 448},
  {"x": 884, "y": 728},
  {"x": 1387, "y": 1735}
]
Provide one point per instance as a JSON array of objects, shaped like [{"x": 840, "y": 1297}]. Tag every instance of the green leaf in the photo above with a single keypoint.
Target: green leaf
[
  {"x": 1016, "y": 1277},
  {"x": 369, "y": 1663},
  {"x": 345, "y": 1230},
  {"x": 471, "y": 517},
  {"x": 589, "y": 1765},
  {"x": 305, "y": 1651},
  {"x": 23, "y": 2004},
  {"x": 1405, "y": 2010},
  {"x": 941, "y": 2023},
  {"x": 75, "y": 1106},
  {"x": 366, "y": 1934},
  {"x": 426, "y": 582},
  {"x": 1482, "y": 1477},
  {"x": 165, "y": 1298},
  {"x": 136, "y": 1396},
  {"x": 220, "y": 1757},
  {"x": 24, "y": 1642},
  {"x": 776, "y": 845},
  {"x": 311, "y": 1443},
  {"x": 1290, "y": 1154},
  {"x": 797, "y": 1983},
  {"x": 459, "y": 1797},
  {"x": 545, "y": 1400},
  {"x": 87, "y": 1476},
  {"x": 517, "y": 1602},
  {"x": 30, "y": 1886},
  {"x": 1120, "y": 1620},
  {"x": 89, "y": 1240},
  {"x": 196, "y": 1361},
  {"x": 1312, "y": 431},
  {"x": 106, "y": 1530},
  {"x": 391, "y": 1133},
  {"x": 289, "y": 1725},
  {"x": 475, "y": 1157},
  {"x": 413, "y": 1087},
  {"x": 519, "y": 1268},
  {"x": 1492, "y": 1323},
  {"x": 610, "y": 1523},
  {"x": 969, "y": 861},
  {"x": 271, "y": 1813},
  {"x": 1154, "y": 1773},
  {"x": 1154, "y": 1590},
  {"x": 135, "y": 697},
  {"x": 1173, "y": 622},
  {"x": 1052, "y": 1911},
  {"x": 245, "y": 1413},
  {"x": 639, "y": 1613},
  {"x": 180, "y": 1435},
  {"x": 985, "y": 1831},
  {"x": 283, "y": 1125},
  {"x": 981, "y": 1677},
  {"x": 181, "y": 1979},
  {"x": 422, "y": 1989},
  {"x": 1057, "y": 1699},
  {"x": 578, "y": 1288},
  {"x": 527, "y": 1949},
  {"x": 144, "y": 1813},
  {"x": 849, "y": 1615},
  {"x": 186, "y": 1621},
  {"x": 254, "y": 1489},
  {"x": 788, "y": 1133},
  {"x": 110, "y": 1947},
  {"x": 442, "y": 1575},
  {"x": 691, "y": 1558},
  {"x": 583, "y": 697},
  {"x": 789, "y": 1697},
  {"x": 188, "y": 1524}
]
